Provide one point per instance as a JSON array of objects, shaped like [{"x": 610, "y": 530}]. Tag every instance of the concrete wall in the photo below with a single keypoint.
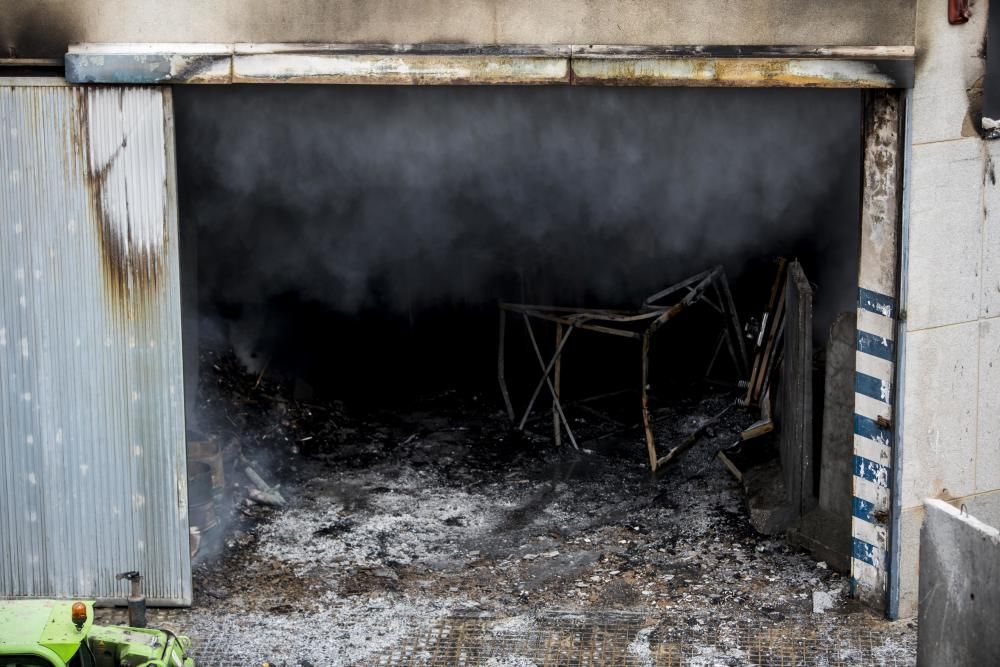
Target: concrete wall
[
  {"x": 951, "y": 388},
  {"x": 45, "y": 27},
  {"x": 959, "y": 589}
]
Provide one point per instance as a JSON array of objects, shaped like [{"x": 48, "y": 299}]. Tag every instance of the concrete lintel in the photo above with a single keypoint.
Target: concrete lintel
[
  {"x": 399, "y": 69},
  {"x": 741, "y": 72},
  {"x": 422, "y": 64},
  {"x": 32, "y": 81},
  {"x": 152, "y": 48},
  {"x": 752, "y": 51},
  {"x": 315, "y": 48},
  {"x": 147, "y": 63}
]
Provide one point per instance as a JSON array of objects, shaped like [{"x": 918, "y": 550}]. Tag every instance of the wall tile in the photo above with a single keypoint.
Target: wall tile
[
  {"x": 909, "y": 560},
  {"x": 939, "y": 431},
  {"x": 990, "y": 302},
  {"x": 985, "y": 507},
  {"x": 988, "y": 446},
  {"x": 945, "y": 242},
  {"x": 949, "y": 64}
]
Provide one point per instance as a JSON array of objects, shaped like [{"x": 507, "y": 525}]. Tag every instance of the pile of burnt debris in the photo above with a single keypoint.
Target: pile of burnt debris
[
  {"x": 376, "y": 521},
  {"x": 390, "y": 521},
  {"x": 780, "y": 467},
  {"x": 255, "y": 437}
]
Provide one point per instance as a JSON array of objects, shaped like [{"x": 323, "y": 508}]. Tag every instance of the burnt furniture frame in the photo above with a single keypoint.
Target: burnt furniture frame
[{"x": 709, "y": 287}]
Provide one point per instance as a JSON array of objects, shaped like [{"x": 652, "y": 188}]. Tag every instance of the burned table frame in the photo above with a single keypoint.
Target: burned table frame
[{"x": 656, "y": 311}]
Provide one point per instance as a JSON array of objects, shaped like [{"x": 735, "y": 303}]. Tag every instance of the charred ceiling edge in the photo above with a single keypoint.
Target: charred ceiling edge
[{"x": 493, "y": 64}]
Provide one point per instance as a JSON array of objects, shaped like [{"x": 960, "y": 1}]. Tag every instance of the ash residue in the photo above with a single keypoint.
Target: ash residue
[{"x": 398, "y": 521}]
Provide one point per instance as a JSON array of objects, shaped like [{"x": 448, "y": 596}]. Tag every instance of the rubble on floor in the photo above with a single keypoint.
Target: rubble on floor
[{"x": 400, "y": 520}]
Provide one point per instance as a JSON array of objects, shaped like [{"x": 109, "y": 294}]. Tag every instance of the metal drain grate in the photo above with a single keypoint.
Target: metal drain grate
[{"x": 623, "y": 640}]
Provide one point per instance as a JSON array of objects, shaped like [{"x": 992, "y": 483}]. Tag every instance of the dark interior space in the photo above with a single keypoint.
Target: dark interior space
[
  {"x": 355, "y": 241},
  {"x": 346, "y": 256}
]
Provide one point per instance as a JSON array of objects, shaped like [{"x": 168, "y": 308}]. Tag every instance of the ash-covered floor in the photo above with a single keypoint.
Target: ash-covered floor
[{"x": 437, "y": 536}]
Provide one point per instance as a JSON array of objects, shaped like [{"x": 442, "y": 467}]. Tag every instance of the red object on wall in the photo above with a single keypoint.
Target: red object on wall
[{"x": 958, "y": 11}]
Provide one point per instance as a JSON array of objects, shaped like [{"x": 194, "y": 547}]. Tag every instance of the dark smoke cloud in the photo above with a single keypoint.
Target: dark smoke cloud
[{"x": 409, "y": 197}]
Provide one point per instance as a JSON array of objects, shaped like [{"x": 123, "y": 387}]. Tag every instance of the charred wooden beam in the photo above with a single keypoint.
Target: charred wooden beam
[
  {"x": 546, "y": 370},
  {"x": 502, "y": 365},
  {"x": 689, "y": 440},
  {"x": 557, "y": 382},
  {"x": 647, "y": 424}
]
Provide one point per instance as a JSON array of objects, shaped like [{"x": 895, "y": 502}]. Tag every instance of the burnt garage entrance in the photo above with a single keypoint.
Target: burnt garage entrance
[
  {"x": 510, "y": 355},
  {"x": 591, "y": 372}
]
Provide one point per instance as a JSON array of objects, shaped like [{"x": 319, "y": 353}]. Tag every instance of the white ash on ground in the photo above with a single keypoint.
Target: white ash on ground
[
  {"x": 398, "y": 521},
  {"x": 325, "y": 634}
]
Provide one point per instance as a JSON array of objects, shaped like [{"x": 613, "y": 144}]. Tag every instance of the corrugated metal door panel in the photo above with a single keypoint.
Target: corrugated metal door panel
[{"x": 92, "y": 434}]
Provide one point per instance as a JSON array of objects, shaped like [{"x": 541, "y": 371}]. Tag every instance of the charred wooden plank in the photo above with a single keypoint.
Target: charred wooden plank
[{"x": 502, "y": 365}]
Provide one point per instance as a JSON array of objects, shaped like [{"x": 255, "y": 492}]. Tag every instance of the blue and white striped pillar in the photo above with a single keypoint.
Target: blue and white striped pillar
[
  {"x": 876, "y": 347},
  {"x": 874, "y": 372}
]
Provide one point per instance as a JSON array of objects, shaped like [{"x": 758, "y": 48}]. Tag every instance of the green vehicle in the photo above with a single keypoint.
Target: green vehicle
[{"x": 55, "y": 633}]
